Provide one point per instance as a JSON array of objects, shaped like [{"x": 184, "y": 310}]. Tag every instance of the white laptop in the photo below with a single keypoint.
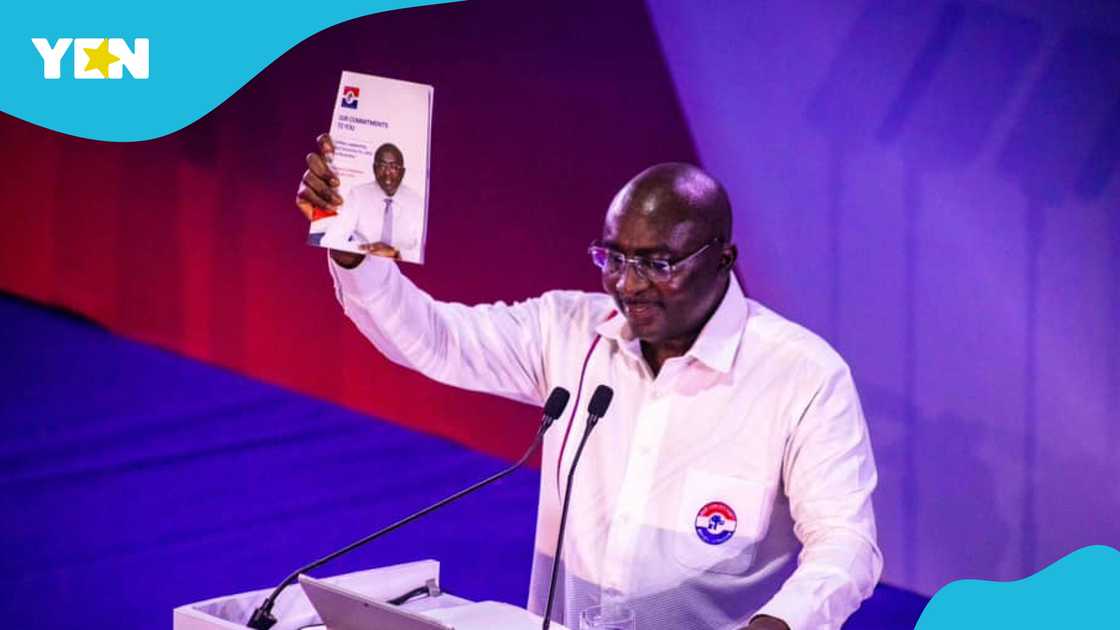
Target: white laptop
[{"x": 343, "y": 609}]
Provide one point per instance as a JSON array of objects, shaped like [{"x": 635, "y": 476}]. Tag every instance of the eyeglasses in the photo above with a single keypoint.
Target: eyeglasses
[
  {"x": 395, "y": 167},
  {"x": 612, "y": 262}
]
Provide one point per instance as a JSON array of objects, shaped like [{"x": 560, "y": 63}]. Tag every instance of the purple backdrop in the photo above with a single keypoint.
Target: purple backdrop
[{"x": 930, "y": 185}]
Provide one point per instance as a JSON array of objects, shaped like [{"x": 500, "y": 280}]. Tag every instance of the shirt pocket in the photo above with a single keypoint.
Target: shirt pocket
[{"x": 720, "y": 521}]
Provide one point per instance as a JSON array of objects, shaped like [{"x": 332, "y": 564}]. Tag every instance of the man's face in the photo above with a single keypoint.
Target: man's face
[
  {"x": 388, "y": 169},
  {"x": 658, "y": 311}
]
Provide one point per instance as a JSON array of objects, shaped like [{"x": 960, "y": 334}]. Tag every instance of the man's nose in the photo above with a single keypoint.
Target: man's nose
[{"x": 629, "y": 281}]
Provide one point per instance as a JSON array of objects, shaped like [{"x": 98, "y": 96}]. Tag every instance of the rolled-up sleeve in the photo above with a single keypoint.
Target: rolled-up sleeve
[{"x": 829, "y": 473}]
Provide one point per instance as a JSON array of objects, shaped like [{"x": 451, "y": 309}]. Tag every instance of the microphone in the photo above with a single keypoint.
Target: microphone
[
  {"x": 263, "y": 619},
  {"x": 596, "y": 409}
]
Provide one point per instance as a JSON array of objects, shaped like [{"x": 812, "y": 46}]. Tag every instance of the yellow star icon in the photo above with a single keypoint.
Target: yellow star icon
[{"x": 100, "y": 58}]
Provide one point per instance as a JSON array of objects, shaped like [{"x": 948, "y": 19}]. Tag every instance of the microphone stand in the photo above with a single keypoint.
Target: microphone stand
[
  {"x": 263, "y": 619},
  {"x": 597, "y": 409}
]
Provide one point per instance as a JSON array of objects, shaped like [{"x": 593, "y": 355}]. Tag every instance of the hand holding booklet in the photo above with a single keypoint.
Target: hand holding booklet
[{"x": 381, "y": 130}]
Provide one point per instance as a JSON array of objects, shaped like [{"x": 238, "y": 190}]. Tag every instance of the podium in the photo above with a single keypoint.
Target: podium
[{"x": 295, "y": 611}]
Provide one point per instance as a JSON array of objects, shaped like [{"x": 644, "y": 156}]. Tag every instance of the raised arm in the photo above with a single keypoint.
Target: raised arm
[{"x": 493, "y": 348}]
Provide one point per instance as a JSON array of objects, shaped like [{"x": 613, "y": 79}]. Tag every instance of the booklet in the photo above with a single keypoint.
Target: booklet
[{"x": 382, "y": 138}]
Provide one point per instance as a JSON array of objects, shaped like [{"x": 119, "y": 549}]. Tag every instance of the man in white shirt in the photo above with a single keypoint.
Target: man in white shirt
[
  {"x": 728, "y": 486},
  {"x": 383, "y": 211}
]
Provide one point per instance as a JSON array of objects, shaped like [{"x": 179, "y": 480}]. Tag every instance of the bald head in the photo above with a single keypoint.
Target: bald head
[
  {"x": 388, "y": 151},
  {"x": 675, "y": 193},
  {"x": 670, "y": 213}
]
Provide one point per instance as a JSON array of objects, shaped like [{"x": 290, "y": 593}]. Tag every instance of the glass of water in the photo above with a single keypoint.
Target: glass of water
[{"x": 608, "y": 617}]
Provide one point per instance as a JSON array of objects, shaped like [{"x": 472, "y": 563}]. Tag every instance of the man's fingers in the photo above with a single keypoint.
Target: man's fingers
[
  {"x": 319, "y": 187},
  {"x": 310, "y": 196},
  {"x": 326, "y": 153},
  {"x": 325, "y": 192},
  {"x": 326, "y": 145},
  {"x": 379, "y": 249},
  {"x": 320, "y": 168}
]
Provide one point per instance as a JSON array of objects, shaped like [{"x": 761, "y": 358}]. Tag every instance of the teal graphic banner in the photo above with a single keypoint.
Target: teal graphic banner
[
  {"x": 1081, "y": 590},
  {"x": 127, "y": 70}
]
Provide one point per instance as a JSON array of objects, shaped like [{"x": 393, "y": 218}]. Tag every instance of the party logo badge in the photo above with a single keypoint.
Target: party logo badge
[
  {"x": 350, "y": 97},
  {"x": 715, "y": 523}
]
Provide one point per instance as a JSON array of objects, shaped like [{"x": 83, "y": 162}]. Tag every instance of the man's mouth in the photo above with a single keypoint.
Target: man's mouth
[{"x": 639, "y": 309}]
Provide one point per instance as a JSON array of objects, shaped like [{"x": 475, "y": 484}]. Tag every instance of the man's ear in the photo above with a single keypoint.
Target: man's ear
[{"x": 727, "y": 257}]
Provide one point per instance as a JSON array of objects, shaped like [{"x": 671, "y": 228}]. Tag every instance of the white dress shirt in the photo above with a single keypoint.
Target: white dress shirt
[
  {"x": 361, "y": 221},
  {"x": 759, "y": 421}
]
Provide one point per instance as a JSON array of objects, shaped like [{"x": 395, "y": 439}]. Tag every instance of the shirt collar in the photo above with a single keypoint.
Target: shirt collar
[{"x": 718, "y": 341}]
